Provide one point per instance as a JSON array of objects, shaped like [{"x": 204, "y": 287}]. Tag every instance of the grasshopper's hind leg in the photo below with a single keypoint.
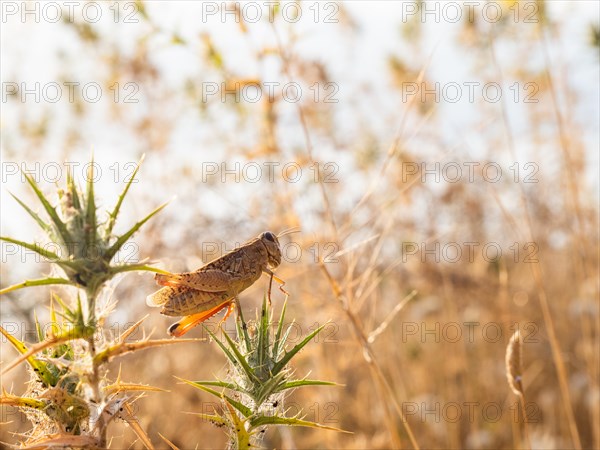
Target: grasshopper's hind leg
[
  {"x": 181, "y": 327},
  {"x": 230, "y": 309}
]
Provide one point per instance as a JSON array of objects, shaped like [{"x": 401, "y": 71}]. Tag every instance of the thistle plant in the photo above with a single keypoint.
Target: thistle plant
[
  {"x": 259, "y": 378},
  {"x": 70, "y": 399},
  {"x": 87, "y": 245}
]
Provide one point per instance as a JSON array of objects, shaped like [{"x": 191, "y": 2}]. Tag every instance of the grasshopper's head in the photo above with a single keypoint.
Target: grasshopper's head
[{"x": 273, "y": 249}]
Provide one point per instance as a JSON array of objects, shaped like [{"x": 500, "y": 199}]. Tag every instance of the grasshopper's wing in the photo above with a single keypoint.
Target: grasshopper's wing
[
  {"x": 160, "y": 297},
  {"x": 210, "y": 280},
  {"x": 182, "y": 301}
]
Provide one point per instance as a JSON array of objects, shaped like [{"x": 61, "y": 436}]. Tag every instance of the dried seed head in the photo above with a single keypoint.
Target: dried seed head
[{"x": 514, "y": 363}]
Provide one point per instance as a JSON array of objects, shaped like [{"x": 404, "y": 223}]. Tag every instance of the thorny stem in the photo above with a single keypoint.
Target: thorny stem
[
  {"x": 94, "y": 377},
  {"x": 95, "y": 384}
]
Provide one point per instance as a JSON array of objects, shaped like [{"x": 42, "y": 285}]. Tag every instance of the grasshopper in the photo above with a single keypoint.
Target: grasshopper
[{"x": 215, "y": 286}]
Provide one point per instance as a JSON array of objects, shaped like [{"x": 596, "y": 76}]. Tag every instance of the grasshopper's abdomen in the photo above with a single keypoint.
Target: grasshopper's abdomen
[{"x": 181, "y": 301}]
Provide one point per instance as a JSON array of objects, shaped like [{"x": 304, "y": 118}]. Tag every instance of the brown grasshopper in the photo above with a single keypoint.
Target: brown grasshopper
[{"x": 213, "y": 287}]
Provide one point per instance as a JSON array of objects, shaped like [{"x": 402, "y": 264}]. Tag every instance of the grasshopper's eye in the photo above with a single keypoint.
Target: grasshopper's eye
[{"x": 269, "y": 236}]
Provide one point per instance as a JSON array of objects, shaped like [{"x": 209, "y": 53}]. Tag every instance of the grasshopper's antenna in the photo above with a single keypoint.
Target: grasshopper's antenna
[{"x": 289, "y": 231}]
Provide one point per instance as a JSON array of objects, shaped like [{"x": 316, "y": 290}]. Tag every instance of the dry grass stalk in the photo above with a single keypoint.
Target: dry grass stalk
[{"x": 535, "y": 268}]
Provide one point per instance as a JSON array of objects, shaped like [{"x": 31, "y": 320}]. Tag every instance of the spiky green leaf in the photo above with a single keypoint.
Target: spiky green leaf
[
  {"x": 225, "y": 350},
  {"x": 223, "y": 384},
  {"x": 263, "y": 335},
  {"x": 73, "y": 190},
  {"x": 135, "y": 268},
  {"x": 61, "y": 228},
  {"x": 242, "y": 327},
  {"x": 261, "y": 420},
  {"x": 283, "y": 341},
  {"x": 112, "y": 251},
  {"x": 277, "y": 341},
  {"x": 23, "y": 402},
  {"x": 39, "y": 367},
  {"x": 90, "y": 209},
  {"x": 246, "y": 412},
  {"x": 43, "y": 225},
  {"x": 240, "y": 358},
  {"x": 289, "y": 355},
  {"x": 33, "y": 247},
  {"x": 112, "y": 217},
  {"x": 29, "y": 283},
  {"x": 242, "y": 436},
  {"x": 269, "y": 387},
  {"x": 38, "y": 327}
]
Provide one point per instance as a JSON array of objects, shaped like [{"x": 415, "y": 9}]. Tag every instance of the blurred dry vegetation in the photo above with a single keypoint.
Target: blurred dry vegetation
[{"x": 367, "y": 214}]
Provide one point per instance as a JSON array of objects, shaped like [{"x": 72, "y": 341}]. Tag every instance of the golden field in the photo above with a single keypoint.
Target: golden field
[{"x": 432, "y": 227}]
